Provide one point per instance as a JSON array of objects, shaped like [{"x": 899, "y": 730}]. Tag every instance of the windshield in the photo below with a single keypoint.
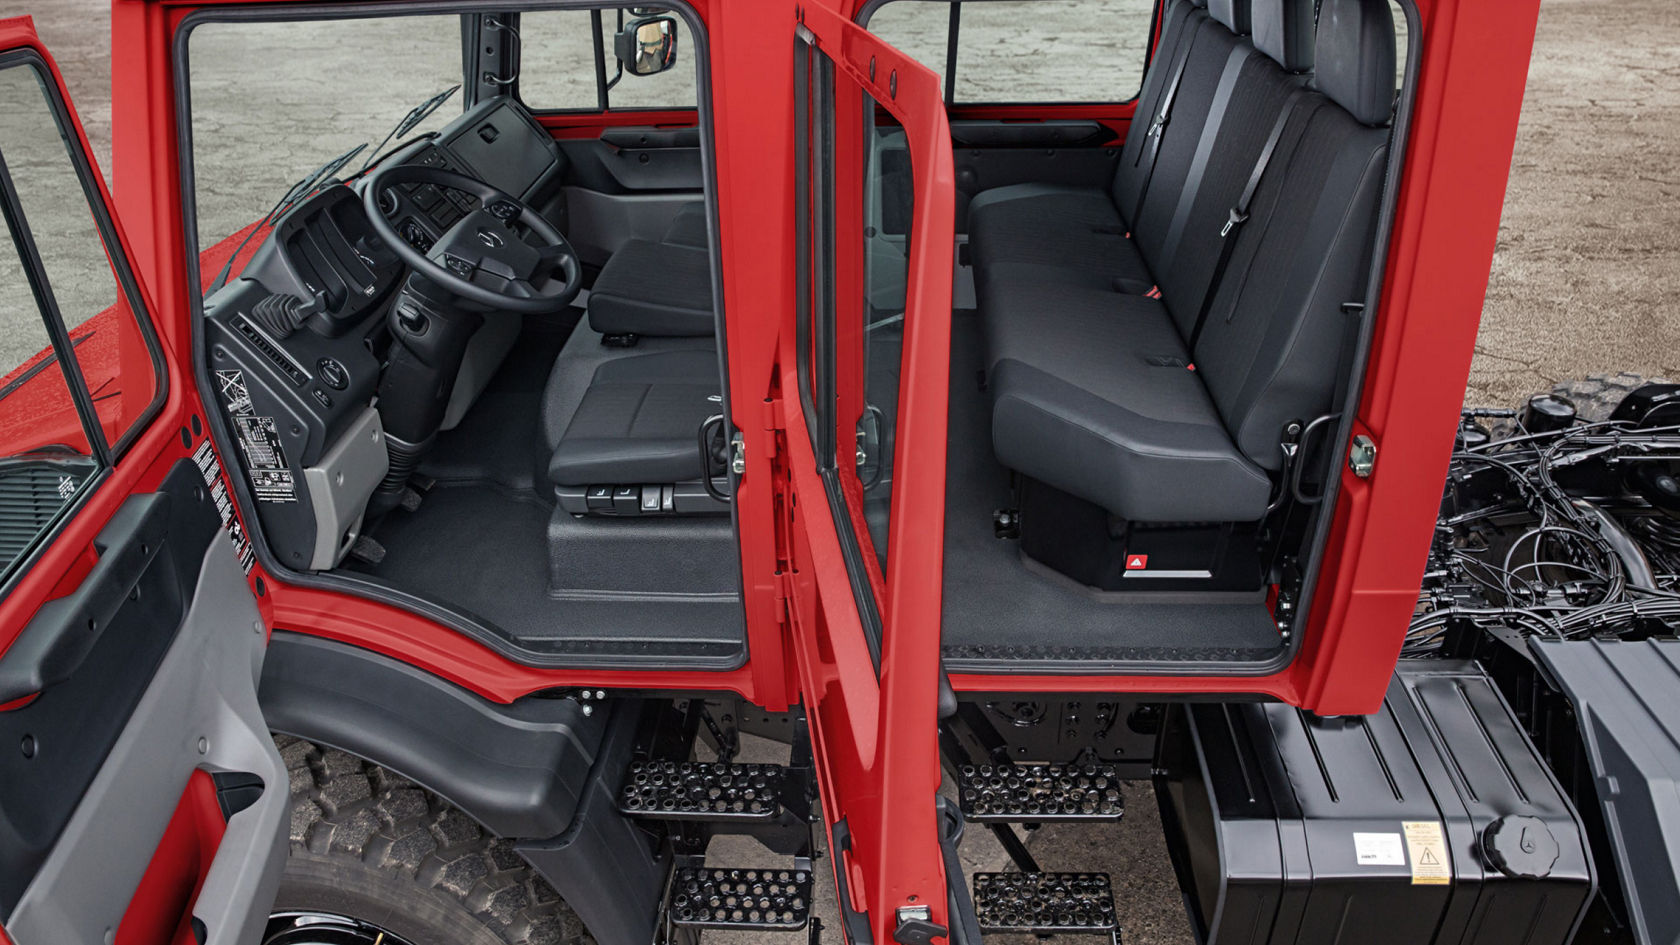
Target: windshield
[{"x": 257, "y": 131}]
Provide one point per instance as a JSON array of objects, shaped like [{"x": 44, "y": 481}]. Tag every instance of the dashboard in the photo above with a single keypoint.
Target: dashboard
[{"x": 296, "y": 343}]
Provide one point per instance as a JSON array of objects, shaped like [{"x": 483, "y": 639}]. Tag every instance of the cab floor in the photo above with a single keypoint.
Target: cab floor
[
  {"x": 999, "y": 616},
  {"x": 478, "y": 543}
]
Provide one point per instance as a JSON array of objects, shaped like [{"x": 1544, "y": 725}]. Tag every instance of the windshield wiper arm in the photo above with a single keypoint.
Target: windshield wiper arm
[
  {"x": 305, "y": 186},
  {"x": 410, "y": 121}
]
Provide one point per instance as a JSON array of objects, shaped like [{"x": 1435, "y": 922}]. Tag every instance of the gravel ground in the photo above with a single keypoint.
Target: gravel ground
[{"x": 1583, "y": 281}]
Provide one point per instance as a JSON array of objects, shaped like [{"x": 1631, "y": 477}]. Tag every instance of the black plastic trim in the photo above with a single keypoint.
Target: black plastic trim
[
  {"x": 607, "y": 868},
  {"x": 519, "y": 769},
  {"x": 56, "y": 744}
]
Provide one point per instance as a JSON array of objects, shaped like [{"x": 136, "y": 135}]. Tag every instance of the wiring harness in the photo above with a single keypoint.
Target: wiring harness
[{"x": 1557, "y": 526}]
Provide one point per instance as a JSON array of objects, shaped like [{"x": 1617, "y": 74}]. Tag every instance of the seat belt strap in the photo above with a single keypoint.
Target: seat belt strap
[
  {"x": 1163, "y": 115},
  {"x": 1239, "y": 212}
]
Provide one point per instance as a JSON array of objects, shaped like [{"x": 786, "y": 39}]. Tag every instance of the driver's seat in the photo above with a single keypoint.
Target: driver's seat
[{"x": 624, "y": 427}]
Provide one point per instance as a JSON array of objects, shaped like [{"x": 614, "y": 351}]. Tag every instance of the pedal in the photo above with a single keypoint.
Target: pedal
[
  {"x": 700, "y": 790},
  {"x": 767, "y": 900},
  {"x": 410, "y": 500},
  {"x": 1039, "y": 793},
  {"x": 1045, "y": 903},
  {"x": 366, "y": 550}
]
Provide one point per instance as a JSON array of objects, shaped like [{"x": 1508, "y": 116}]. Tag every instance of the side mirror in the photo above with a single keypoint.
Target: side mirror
[{"x": 647, "y": 46}]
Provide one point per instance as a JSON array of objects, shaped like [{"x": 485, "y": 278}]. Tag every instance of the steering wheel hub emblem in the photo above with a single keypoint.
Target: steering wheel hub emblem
[{"x": 489, "y": 238}]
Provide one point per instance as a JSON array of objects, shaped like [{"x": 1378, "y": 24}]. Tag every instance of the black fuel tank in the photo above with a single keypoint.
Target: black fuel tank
[{"x": 1432, "y": 821}]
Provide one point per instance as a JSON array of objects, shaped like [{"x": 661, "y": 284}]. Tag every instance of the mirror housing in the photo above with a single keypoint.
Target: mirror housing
[{"x": 647, "y": 46}]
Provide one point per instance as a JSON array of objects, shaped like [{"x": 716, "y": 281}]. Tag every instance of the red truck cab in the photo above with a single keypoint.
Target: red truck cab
[{"x": 825, "y": 391}]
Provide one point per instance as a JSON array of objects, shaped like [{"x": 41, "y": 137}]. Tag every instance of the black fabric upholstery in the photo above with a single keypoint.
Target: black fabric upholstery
[
  {"x": 1047, "y": 225},
  {"x": 1355, "y": 58},
  {"x": 639, "y": 421},
  {"x": 688, "y": 227},
  {"x": 1270, "y": 346},
  {"x": 1233, "y": 14},
  {"x": 1098, "y": 399},
  {"x": 659, "y": 288},
  {"x": 1283, "y": 30},
  {"x": 1086, "y": 305}
]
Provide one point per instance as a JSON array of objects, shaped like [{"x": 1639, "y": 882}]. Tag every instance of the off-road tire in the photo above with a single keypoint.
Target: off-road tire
[
  {"x": 371, "y": 845},
  {"x": 1596, "y": 395}
]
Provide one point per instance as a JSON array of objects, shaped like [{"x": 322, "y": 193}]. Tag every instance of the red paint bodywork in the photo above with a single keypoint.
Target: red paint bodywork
[{"x": 876, "y": 734}]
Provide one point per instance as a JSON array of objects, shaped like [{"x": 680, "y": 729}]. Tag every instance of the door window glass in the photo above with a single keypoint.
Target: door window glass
[
  {"x": 46, "y": 455},
  {"x": 1018, "y": 51},
  {"x": 878, "y": 321},
  {"x": 558, "y": 70},
  {"x": 113, "y": 352}
]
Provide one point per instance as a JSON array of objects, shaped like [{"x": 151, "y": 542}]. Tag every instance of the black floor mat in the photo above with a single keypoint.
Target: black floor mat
[
  {"x": 1001, "y": 617},
  {"x": 498, "y": 439},
  {"x": 483, "y": 550},
  {"x": 478, "y": 544}
]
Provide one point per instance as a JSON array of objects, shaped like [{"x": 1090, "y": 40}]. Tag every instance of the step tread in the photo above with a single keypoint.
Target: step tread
[
  {"x": 701, "y": 790},
  {"x": 1044, "y": 902},
  {"x": 774, "y": 899},
  {"x": 1039, "y": 793}
]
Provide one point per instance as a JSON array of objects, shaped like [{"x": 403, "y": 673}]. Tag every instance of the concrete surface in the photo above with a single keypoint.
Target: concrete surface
[{"x": 1584, "y": 281}]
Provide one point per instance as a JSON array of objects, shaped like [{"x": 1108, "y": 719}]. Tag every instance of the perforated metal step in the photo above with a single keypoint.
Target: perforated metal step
[
  {"x": 1039, "y": 793},
  {"x": 1045, "y": 903},
  {"x": 764, "y": 899},
  {"x": 698, "y": 790}
]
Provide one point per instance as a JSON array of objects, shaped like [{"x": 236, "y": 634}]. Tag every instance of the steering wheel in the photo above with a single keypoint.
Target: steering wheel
[{"x": 484, "y": 257}]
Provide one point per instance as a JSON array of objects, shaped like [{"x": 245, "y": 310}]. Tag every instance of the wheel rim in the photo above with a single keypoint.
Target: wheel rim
[{"x": 325, "y": 928}]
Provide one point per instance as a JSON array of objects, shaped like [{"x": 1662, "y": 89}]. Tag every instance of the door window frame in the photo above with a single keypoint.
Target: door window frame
[{"x": 104, "y": 453}]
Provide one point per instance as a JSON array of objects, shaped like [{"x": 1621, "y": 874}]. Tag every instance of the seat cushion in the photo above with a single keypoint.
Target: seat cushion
[
  {"x": 1074, "y": 235},
  {"x": 639, "y": 421},
  {"x": 661, "y": 289},
  {"x": 1098, "y": 398}
]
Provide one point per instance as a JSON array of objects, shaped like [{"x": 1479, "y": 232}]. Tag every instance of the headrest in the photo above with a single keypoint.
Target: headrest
[
  {"x": 1283, "y": 30},
  {"x": 1355, "y": 57},
  {"x": 1232, "y": 13}
]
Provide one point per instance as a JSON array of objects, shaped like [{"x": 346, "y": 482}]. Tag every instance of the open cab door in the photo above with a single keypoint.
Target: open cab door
[
  {"x": 142, "y": 800},
  {"x": 864, "y": 378}
]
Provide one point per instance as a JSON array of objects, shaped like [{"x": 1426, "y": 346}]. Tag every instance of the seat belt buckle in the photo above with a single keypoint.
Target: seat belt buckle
[
  {"x": 1237, "y": 218},
  {"x": 1156, "y": 127}
]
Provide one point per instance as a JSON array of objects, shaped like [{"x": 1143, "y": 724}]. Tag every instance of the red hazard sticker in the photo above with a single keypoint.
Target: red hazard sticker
[{"x": 1137, "y": 562}]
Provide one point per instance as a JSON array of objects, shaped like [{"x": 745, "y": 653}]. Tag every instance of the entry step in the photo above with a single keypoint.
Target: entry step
[
  {"x": 770, "y": 900},
  {"x": 1039, "y": 793},
  {"x": 699, "y": 790},
  {"x": 1045, "y": 903}
]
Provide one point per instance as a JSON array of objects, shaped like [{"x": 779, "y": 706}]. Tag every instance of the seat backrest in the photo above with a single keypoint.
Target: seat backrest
[
  {"x": 1269, "y": 351},
  {"x": 1182, "y": 246},
  {"x": 1153, "y": 167}
]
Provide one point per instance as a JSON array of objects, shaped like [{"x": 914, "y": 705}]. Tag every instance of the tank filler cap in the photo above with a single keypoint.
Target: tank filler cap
[{"x": 1520, "y": 847}]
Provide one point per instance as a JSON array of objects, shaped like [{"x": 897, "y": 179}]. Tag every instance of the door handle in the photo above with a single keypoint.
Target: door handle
[{"x": 62, "y": 633}]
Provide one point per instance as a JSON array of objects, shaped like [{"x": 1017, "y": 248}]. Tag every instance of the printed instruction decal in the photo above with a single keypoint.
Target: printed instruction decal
[
  {"x": 1378, "y": 849},
  {"x": 1427, "y": 845},
  {"x": 211, "y": 469},
  {"x": 259, "y": 441}
]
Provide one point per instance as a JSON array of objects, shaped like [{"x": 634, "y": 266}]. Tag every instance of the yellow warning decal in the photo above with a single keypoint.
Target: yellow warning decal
[{"x": 1426, "y": 847}]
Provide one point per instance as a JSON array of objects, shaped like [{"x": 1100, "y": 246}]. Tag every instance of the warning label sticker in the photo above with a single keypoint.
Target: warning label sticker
[
  {"x": 211, "y": 469},
  {"x": 1378, "y": 849},
  {"x": 1427, "y": 846},
  {"x": 259, "y": 442}
]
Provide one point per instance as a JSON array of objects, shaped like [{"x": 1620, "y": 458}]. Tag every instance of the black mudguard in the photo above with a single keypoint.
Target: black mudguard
[{"x": 539, "y": 772}]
